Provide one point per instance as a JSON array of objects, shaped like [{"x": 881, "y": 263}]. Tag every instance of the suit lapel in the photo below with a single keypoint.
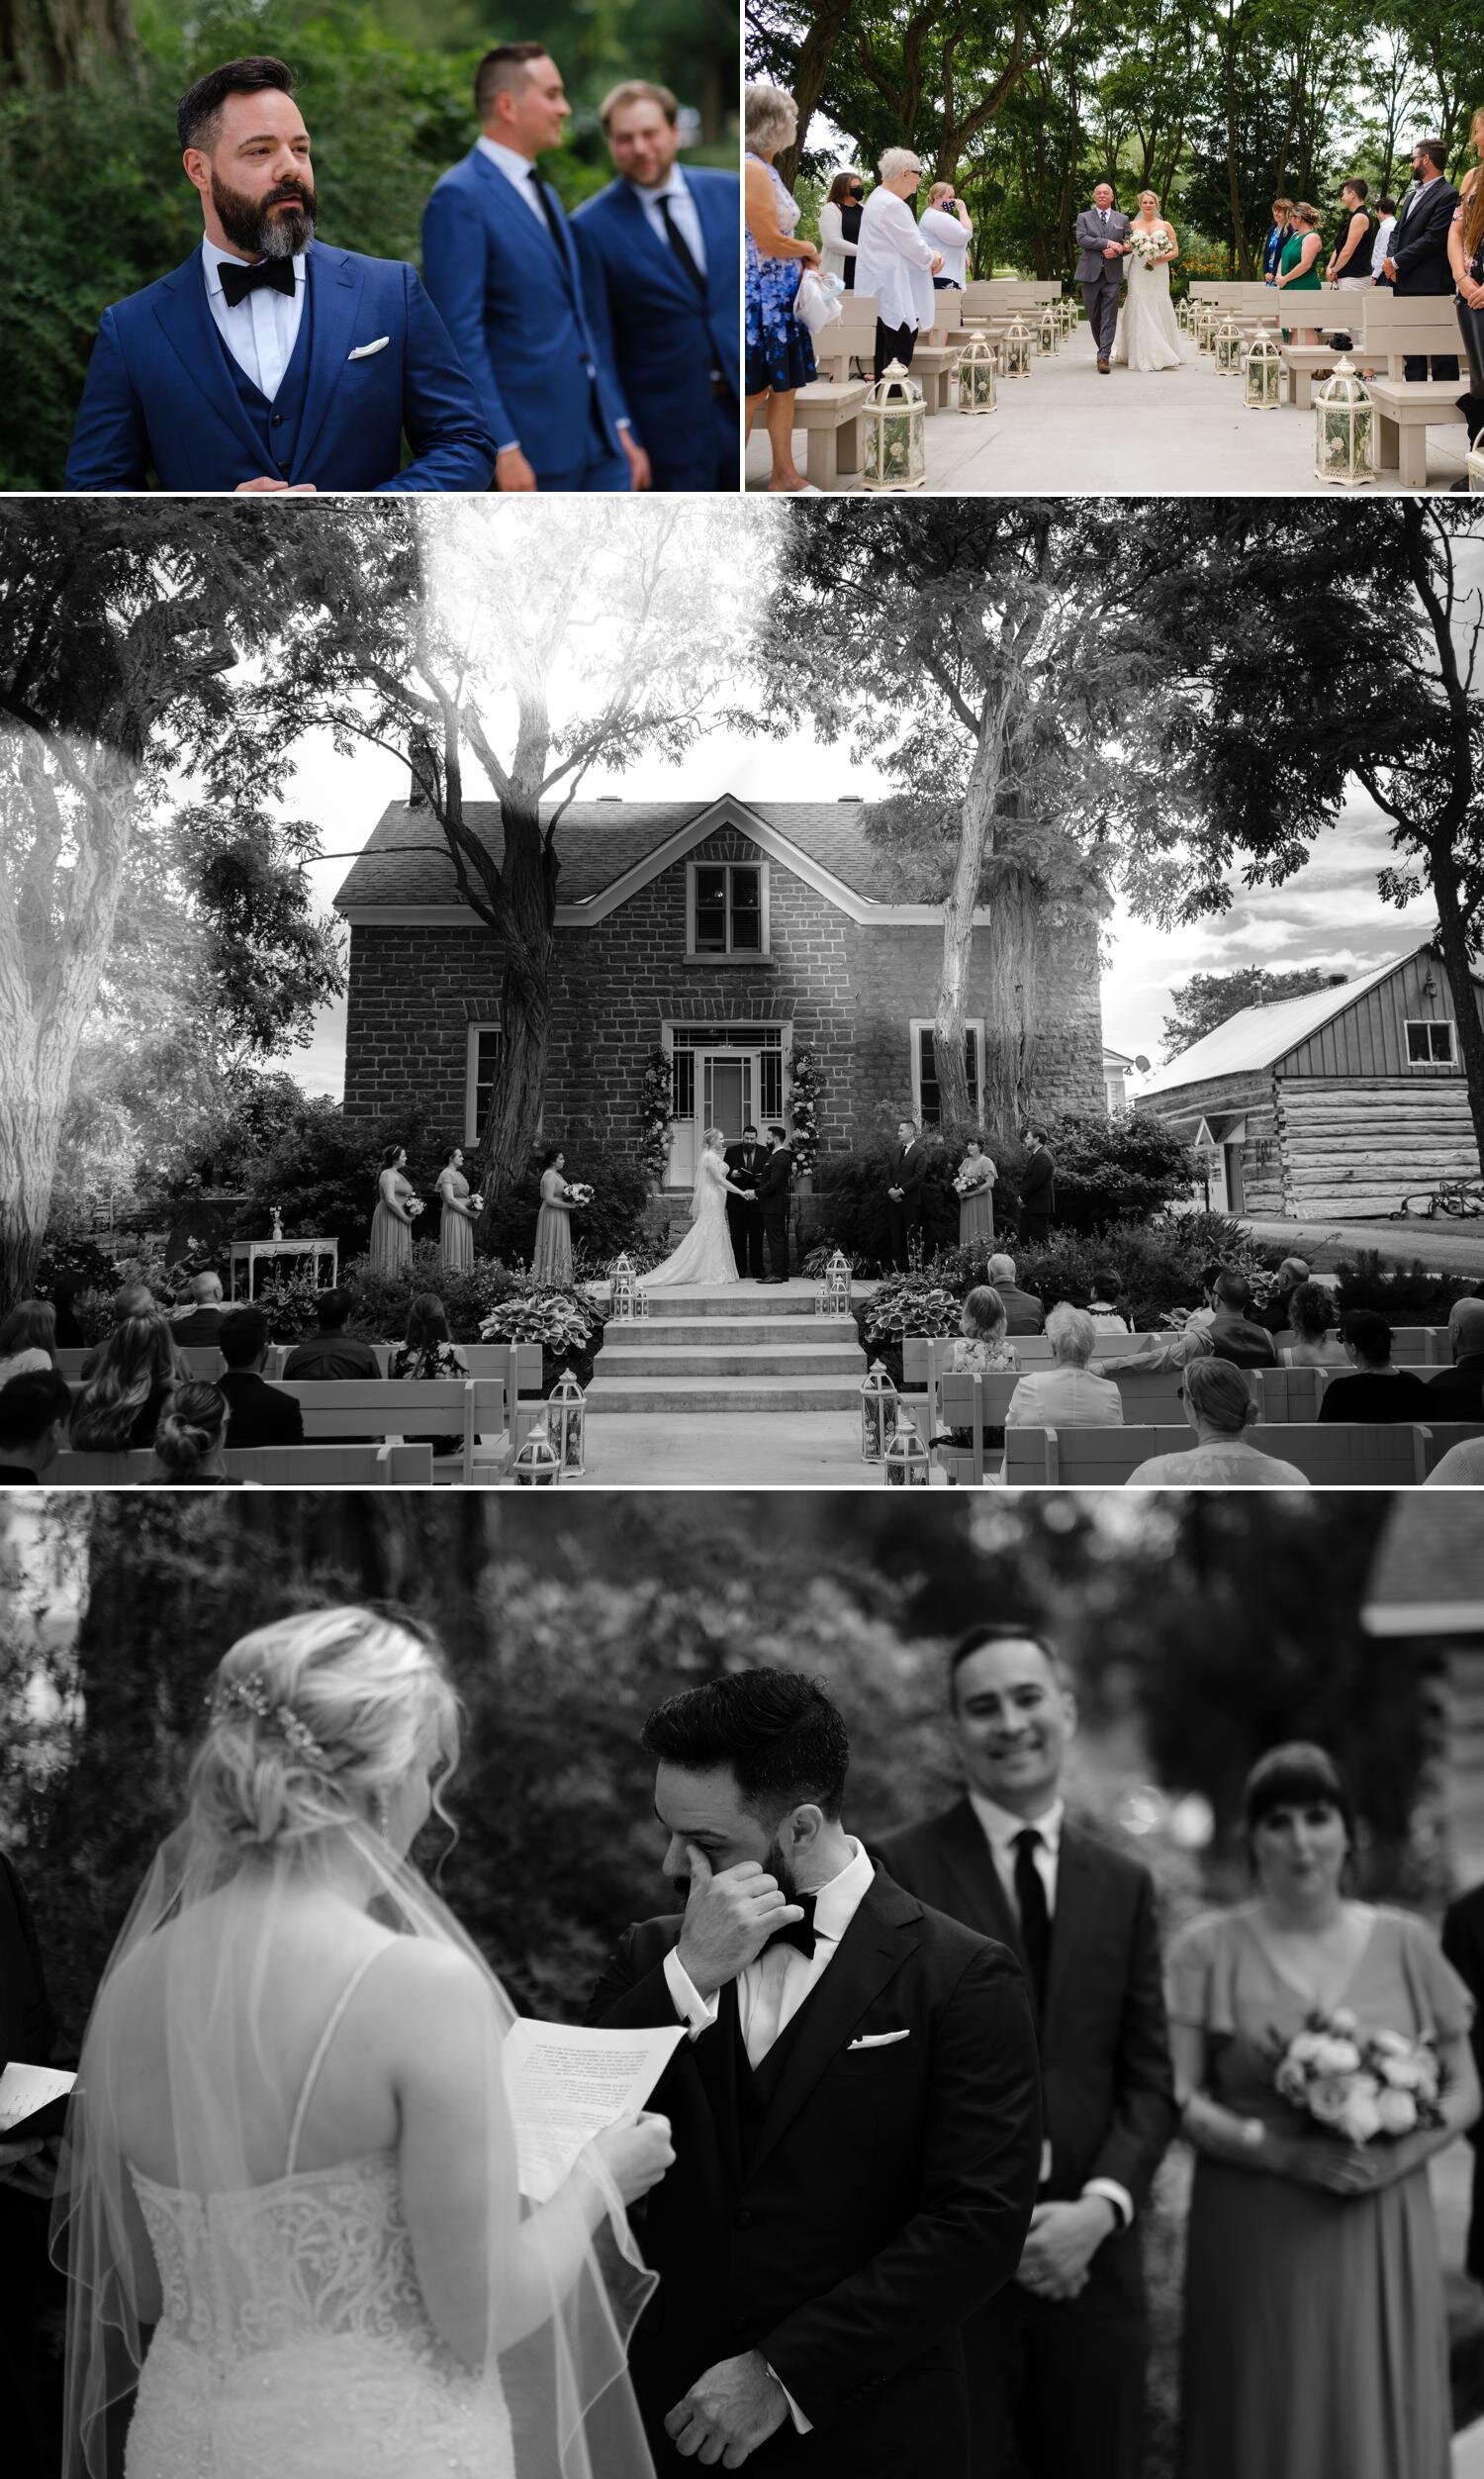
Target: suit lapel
[
  {"x": 336, "y": 284},
  {"x": 185, "y": 319},
  {"x": 1074, "y": 1924},
  {"x": 971, "y": 1863},
  {"x": 871, "y": 1951}
]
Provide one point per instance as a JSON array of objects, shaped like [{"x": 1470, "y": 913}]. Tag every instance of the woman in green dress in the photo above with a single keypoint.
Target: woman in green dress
[
  {"x": 1315, "y": 2334},
  {"x": 1298, "y": 267}
]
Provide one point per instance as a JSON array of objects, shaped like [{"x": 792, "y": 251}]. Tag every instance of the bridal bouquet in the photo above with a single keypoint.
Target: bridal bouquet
[
  {"x": 1359, "y": 2084},
  {"x": 414, "y": 1206},
  {"x": 476, "y": 1204},
  {"x": 1147, "y": 246},
  {"x": 579, "y": 1191},
  {"x": 966, "y": 1185}
]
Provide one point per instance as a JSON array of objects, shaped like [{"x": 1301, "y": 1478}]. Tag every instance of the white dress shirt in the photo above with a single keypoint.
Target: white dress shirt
[
  {"x": 895, "y": 263},
  {"x": 682, "y": 211},
  {"x": 1000, "y": 1829},
  {"x": 1381, "y": 247},
  {"x": 261, "y": 332},
  {"x": 517, "y": 170},
  {"x": 944, "y": 231}
]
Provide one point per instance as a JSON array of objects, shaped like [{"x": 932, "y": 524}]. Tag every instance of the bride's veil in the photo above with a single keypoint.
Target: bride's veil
[
  {"x": 211, "y": 2004},
  {"x": 700, "y": 1184}
]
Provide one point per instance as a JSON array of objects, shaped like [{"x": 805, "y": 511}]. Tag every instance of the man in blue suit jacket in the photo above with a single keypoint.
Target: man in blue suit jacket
[
  {"x": 663, "y": 251},
  {"x": 268, "y": 361},
  {"x": 503, "y": 268}
]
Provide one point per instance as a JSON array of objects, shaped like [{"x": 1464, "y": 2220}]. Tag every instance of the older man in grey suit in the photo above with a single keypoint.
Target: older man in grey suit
[{"x": 1102, "y": 248}]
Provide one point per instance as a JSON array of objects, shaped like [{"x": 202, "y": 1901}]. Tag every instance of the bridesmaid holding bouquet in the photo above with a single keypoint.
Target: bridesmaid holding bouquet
[
  {"x": 461, "y": 1210},
  {"x": 397, "y": 1206}
]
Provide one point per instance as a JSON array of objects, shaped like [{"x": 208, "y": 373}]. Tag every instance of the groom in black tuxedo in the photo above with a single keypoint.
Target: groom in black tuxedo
[
  {"x": 856, "y": 2113},
  {"x": 904, "y": 1193},
  {"x": 1058, "y": 2359},
  {"x": 773, "y": 1191},
  {"x": 744, "y": 1163}
]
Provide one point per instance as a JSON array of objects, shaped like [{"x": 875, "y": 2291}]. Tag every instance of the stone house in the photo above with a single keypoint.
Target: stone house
[{"x": 731, "y": 935}]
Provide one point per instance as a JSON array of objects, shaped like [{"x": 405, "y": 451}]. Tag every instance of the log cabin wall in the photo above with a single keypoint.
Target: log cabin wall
[{"x": 1360, "y": 1123}]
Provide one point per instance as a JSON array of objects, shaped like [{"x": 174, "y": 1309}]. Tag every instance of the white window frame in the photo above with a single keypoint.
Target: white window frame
[
  {"x": 1434, "y": 1024},
  {"x": 739, "y": 955},
  {"x": 472, "y": 1129},
  {"x": 917, "y": 1026}
]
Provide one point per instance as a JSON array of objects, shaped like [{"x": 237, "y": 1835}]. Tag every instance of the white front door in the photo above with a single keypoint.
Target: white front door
[{"x": 727, "y": 1097}]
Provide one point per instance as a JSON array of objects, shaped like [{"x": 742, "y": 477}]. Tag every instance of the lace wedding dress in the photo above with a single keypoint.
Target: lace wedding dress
[
  {"x": 704, "y": 1255},
  {"x": 1148, "y": 335}
]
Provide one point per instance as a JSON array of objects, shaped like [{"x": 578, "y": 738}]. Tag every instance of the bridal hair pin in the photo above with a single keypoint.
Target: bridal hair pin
[{"x": 249, "y": 1696}]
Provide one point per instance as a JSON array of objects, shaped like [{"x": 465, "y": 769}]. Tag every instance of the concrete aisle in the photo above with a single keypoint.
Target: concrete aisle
[
  {"x": 750, "y": 1451},
  {"x": 1144, "y": 432}
]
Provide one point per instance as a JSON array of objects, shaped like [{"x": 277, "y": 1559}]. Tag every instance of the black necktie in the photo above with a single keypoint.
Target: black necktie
[
  {"x": 1035, "y": 1919},
  {"x": 799, "y": 1933},
  {"x": 237, "y": 281},
  {"x": 677, "y": 240},
  {"x": 553, "y": 217}
]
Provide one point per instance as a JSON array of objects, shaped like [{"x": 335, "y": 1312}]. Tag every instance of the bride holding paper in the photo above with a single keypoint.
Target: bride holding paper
[{"x": 294, "y": 2156}]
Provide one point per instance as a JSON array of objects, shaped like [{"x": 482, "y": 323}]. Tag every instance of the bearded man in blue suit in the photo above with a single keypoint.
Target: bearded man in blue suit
[
  {"x": 663, "y": 248},
  {"x": 503, "y": 268},
  {"x": 270, "y": 361}
]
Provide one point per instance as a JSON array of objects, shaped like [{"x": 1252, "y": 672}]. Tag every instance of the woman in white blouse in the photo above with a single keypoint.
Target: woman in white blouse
[
  {"x": 893, "y": 263},
  {"x": 837, "y": 239},
  {"x": 945, "y": 224}
]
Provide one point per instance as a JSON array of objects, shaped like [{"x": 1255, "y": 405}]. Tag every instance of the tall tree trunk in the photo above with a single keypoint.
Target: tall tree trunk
[
  {"x": 975, "y": 843},
  {"x": 54, "y": 43},
  {"x": 811, "y": 77},
  {"x": 1007, "y": 973}
]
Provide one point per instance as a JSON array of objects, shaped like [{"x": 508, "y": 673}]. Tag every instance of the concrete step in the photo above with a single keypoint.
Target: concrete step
[
  {"x": 730, "y": 1334},
  {"x": 704, "y": 1394},
  {"x": 723, "y": 1360},
  {"x": 739, "y": 1299}
]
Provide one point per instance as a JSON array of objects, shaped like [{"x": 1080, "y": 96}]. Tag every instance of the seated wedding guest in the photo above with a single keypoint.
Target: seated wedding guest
[
  {"x": 1462, "y": 1468},
  {"x": 1467, "y": 259},
  {"x": 660, "y": 248},
  {"x": 503, "y": 268},
  {"x": 270, "y": 361},
  {"x": 28, "y": 1339},
  {"x": 1204, "y": 1314},
  {"x": 1298, "y": 266},
  {"x": 201, "y": 1326},
  {"x": 974, "y": 1179},
  {"x": 1381, "y": 246},
  {"x": 1219, "y": 1410},
  {"x": 331, "y": 1353},
  {"x": 980, "y": 1346},
  {"x": 780, "y": 347},
  {"x": 1103, "y": 1306},
  {"x": 259, "y": 1415},
  {"x": 1273, "y": 1312},
  {"x": 1376, "y": 1390},
  {"x": 131, "y": 1300},
  {"x": 1022, "y": 1308},
  {"x": 1065, "y": 1395},
  {"x": 32, "y": 2299},
  {"x": 34, "y": 1413},
  {"x": 70, "y": 1334},
  {"x": 1457, "y": 1393},
  {"x": 1313, "y": 1342},
  {"x": 1175, "y": 1349},
  {"x": 893, "y": 262},
  {"x": 1234, "y": 1334},
  {"x": 945, "y": 224},
  {"x": 190, "y": 1437},
  {"x": 429, "y": 1351},
  {"x": 1315, "y": 2337},
  {"x": 840, "y": 227},
  {"x": 137, "y": 1369},
  {"x": 1418, "y": 263}
]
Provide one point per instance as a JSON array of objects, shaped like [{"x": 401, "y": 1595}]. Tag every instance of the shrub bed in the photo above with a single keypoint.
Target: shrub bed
[{"x": 1406, "y": 1295}]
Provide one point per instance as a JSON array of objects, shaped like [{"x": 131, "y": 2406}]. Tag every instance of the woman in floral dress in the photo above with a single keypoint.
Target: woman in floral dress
[{"x": 780, "y": 353}]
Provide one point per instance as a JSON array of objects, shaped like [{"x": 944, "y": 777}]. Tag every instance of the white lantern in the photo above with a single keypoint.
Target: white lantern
[
  {"x": 878, "y": 1398},
  {"x": 837, "y": 1284},
  {"x": 896, "y": 434},
  {"x": 1229, "y": 348},
  {"x": 1015, "y": 351},
  {"x": 1182, "y": 314},
  {"x": 977, "y": 389},
  {"x": 537, "y": 1463},
  {"x": 1476, "y": 464},
  {"x": 1205, "y": 326},
  {"x": 908, "y": 1465},
  {"x": 1262, "y": 373},
  {"x": 1049, "y": 334},
  {"x": 565, "y": 1407},
  {"x": 624, "y": 1290},
  {"x": 1344, "y": 429}
]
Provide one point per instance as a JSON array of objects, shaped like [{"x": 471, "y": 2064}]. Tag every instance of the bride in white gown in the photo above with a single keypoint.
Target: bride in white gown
[
  {"x": 704, "y": 1255},
  {"x": 292, "y": 2155},
  {"x": 1148, "y": 337}
]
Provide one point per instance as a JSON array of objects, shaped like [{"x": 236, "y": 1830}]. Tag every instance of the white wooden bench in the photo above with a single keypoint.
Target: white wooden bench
[
  {"x": 274, "y": 1467},
  {"x": 202, "y": 1359},
  {"x": 1406, "y": 410},
  {"x": 1331, "y": 1455},
  {"x": 852, "y": 339}
]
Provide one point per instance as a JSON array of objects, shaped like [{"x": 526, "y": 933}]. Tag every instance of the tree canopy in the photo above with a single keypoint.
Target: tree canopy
[{"x": 1208, "y": 999}]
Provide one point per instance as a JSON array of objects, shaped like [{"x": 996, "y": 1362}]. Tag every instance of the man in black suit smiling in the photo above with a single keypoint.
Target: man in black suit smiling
[
  {"x": 1057, "y": 2360},
  {"x": 856, "y": 2113}
]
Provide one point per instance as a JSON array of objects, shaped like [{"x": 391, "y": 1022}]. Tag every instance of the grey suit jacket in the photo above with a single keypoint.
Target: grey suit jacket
[{"x": 1091, "y": 241}]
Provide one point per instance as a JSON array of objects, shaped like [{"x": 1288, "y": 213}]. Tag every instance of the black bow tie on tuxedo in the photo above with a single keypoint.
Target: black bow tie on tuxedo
[
  {"x": 237, "y": 281},
  {"x": 798, "y": 1932}
]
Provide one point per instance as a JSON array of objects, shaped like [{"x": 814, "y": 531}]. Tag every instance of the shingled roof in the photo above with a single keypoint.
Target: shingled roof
[
  {"x": 1257, "y": 1037},
  {"x": 1429, "y": 1576}
]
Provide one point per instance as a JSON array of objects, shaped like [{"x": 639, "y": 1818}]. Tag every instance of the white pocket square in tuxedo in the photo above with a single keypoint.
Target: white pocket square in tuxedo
[
  {"x": 363, "y": 353},
  {"x": 880, "y": 2040}
]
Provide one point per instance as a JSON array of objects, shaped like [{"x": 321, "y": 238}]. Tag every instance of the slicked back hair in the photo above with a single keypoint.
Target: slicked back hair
[
  {"x": 198, "y": 114},
  {"x": 777, "y": 1732}
]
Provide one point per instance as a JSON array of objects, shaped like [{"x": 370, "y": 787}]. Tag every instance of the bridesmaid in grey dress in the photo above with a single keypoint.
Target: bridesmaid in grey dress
[
  {"x": 456, "y": 1234},
  {"x": 1315, "y": 2336},
  {"x": 392, "y": 1222},
  {"x": 552, "y": 1262},
  {"x": 974, "y": 1179}
]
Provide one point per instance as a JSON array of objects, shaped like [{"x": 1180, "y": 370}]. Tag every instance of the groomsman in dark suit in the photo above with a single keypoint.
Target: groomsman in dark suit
[
  {"x": 775, "y": 1183},
  {"x": 662, "y": 249},
  {"x": 745, "y": 1162},
  {"x": 905, "y": 1192},
  {"x": 855, "y": 2113},
  {"x": 1418, "y": 263},
  {"x": 1038, "y": 1190},
  {"x": 1057, "y": 2361}
]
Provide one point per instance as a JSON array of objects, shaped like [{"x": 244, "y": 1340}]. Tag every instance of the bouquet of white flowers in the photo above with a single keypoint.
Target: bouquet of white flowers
[
  {"x": 1359, "y": 2084},
  {"x": 414, "y": 1206},
  {"x": 1146, "y": 246},
  {"x": 966, "y": 1184},
  {"x": 579, "y": 1192},
  {"x": 476, "y": 1204}
]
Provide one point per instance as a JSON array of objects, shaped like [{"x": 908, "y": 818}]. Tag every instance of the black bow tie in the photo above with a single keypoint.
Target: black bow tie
[
  {"x": 798, "y": 1932},
  {"x": 237, "y": 281}
]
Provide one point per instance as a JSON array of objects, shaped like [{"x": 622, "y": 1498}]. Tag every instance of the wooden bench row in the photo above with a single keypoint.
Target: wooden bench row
[
  {"x": 485, "y": 1360},
  {"x": 480, "y": 1413},
  {"x": 1411, "y": 1347}
]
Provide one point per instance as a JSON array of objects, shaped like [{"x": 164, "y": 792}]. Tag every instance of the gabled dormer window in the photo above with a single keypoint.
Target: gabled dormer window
[{"x": 726, "y": 908}]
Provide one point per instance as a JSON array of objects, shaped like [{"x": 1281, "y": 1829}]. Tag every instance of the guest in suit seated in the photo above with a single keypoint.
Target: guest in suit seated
[
  {"x": 1457, "y": 1393},
  {"x": 1067, "y": 1396},
  {"x": 904, "y": 1193},
  {"x": 1058, "y": 2360},
  {"x": 137, "y": 1369},
  {"x": 1022, "y": 1308},
  {"x": 190, "y": 1440},
  {"x": 35, "y": 1410},
  {"x": 1234, "y": 1334},
  {"x": 259, "y": 1415},
  {"x": 28, "y": 1339},
  {"x": 1418, "y": 263},
  {"x": 503, "y": 269},
  {"x": 332, "y": 1353},
  {"x": 1313, "y": 1342},
  {"x": 661, "y": 249},
  {"x": 1219, "y": 1409},
  {"x": 1376, "y": 1390},
  {"x": 270, "y": 361},
  {"x": 201, "y": 1325},
  {"x": 1273, "y": 1314}
]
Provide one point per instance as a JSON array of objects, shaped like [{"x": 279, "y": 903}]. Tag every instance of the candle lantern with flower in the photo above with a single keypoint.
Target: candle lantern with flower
[
  {"x": 1262, "y": 373},
  {"x": 1015, "y": 351},
  {"x": 908, "y": 1465},
  {"x": 1344, "y": 429},
  {"x": 566, "y": 1412},
  {"x": 975, "y": 373},
  {"x": 878, "y": 1398},
  {"x": 896, "y": 419},
  {"x": 538, "y": 1465}
]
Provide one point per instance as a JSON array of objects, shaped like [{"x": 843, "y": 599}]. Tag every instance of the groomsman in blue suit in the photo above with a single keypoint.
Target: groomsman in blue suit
[
  {"x": 502, "y": 268},
  {"x": 663, "y": 250},
  {"x": 270, "y": 361}
]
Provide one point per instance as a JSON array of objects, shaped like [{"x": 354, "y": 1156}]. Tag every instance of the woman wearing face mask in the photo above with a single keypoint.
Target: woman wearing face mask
[
  {"x": 1315, "y": 2332},
  {"x": 840, "y": 227}
]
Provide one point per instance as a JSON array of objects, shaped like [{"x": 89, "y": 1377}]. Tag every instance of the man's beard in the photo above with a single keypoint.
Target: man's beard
[
  {"x": 777, "y": 1867},
  {"x": 251, "y": 225}
]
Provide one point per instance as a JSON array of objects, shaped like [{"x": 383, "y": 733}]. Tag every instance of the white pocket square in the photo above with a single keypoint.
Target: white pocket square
[
  {"x": 363, "y": 353},
  {"x": 880, "y": 2040}
]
